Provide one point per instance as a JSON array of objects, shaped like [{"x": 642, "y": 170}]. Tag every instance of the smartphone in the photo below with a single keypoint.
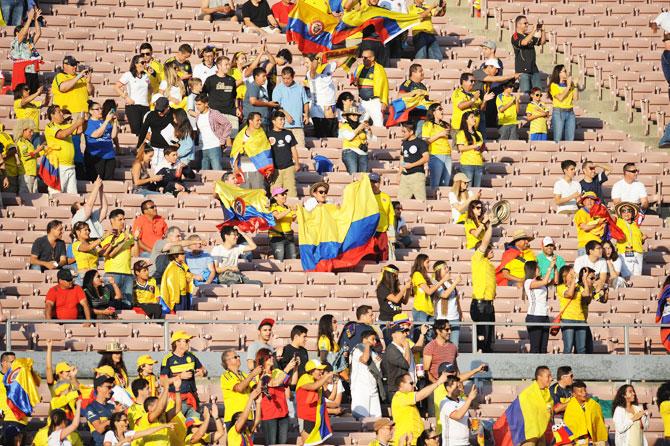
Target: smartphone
[{"x": 469, "y": 64}]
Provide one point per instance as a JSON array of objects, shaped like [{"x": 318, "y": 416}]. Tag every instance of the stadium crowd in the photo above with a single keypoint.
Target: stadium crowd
[{"x": 190, "y": 118}]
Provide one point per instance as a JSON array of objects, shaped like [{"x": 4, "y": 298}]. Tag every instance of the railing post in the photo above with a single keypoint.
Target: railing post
[
  {"x": 626, "y": 345},
  {"x": 474, "y": 337},
  {"x": 166, "y": 336},
  {"x": 8, "y": 335}
]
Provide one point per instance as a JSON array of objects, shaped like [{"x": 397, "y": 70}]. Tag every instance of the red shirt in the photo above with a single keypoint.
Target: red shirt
[
  {"x": 65, "y": 301},
  {"x": 281, "y": 11},
  {"x": 150, "y": 230},
  {"x": 440, "y": 353}
]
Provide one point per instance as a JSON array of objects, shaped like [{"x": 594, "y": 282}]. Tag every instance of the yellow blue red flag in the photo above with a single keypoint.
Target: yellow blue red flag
[
  {"x": 399, "y": 109},
  {"x": 48, "y": 170},
  {"x": 526, "y": 418},
  {"x": 256, "y": 146},
  {"x": 246, "y": 209},
  {"x": 21, "y": 384},
  {"x": 336, "y": 237},
  {"x": 387, "y": 24},
  {"x": 322, "y": 430},
  {"x": 311, "y": 26}
]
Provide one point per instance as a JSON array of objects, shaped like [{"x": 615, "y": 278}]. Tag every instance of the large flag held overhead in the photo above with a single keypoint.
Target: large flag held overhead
[
  {"x": 310, "y": 25},
  {"x": 526, "y": 418},
  {"x": 336, "y": 237},
  {"x": 246, "y": 209},
  {"x": 399, "y": 109},
  {"x": 387, "y": 24},
  {"x": 21, "y": 384}
]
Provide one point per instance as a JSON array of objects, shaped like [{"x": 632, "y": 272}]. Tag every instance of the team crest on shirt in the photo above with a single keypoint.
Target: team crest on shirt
[
  {"x": 412, "y": 149},
  {"x": 316, "y": 28},
  {"x": 287, "y": 138}
]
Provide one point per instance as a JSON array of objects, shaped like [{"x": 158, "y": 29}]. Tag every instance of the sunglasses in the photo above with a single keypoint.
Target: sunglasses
[
  {"x": 151, "y": 207},
  {"x": 146, "y": 54},
  {"x": 537, "y": 95},
  {"x": 633, "y": 171},
  {"x": 321, "y": 192}
]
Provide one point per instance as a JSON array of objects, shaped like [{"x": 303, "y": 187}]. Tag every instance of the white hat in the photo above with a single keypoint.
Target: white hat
[
  {"x": 492, "y": 63},
  {"x": 548, "y": 241}
]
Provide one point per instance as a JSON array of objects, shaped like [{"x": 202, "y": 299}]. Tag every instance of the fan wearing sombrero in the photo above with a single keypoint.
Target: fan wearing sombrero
[
  {"x": 353, "y": 133},
  {"x": 112, "y": 356},
  {"x": 631, "y": 247},
  {"x": 510, "y": 271},
  {"x": 588, "y": 227}
]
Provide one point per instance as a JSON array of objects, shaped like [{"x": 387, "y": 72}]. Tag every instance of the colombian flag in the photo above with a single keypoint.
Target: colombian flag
[
  {"x": 247, "y": 209},
  {"x": 399, "y": 109},
  {"x": 527, "y": 417},
  {"x": 322, "y": 430},
  {"x": 335, "y": 237},
  {"x": 48, "y": 170},
  {"x": 663, "y": 316},
  {"x": 21, "y": 384},
  {"x": 176, "y": 284},
  {"x": 387, "y": 24},
  {"x": 311, "y": 25},
  {"x": 256, "y": 147}
]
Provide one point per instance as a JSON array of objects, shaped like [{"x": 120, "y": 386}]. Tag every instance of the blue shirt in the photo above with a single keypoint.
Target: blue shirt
[
  {"x": 292, "y": 99},
  {"x": 78, "y": 156},
  {"x": 186, "y": 150},
  {"x": 98, "y": 411},
  {"x": 199, "y": 265},
  {"x": 102, "y": 147},
  {"x": 543, "y": 263}
]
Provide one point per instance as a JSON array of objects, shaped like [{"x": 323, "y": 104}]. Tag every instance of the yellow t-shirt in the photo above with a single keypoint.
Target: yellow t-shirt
[
  {"x": 25, "y": 148},
  {"x": 155, "y": 81},
  {"x": 633, "y": 236},
  {"x": 575, "y": 308},
  {"x": 483, "y": 277},
  {"x": 439, "y": 394},
  {"x": 440, "y": 146},
  {"x": 538, "y": 125},
  {"x": 517, "y": 267},
  {"x": 424, "y": 26},
  {"x": 120, "y": 263},
  {"x": 325, "y": 345},
  {"x": 458, "y": 96},
  {"x": 566, "y": 103},
  {"x": 160, "y": 438},
  {"x": 147, "y": 294},
  {"x": 64, "y": 148},
  {"x": 235, "y": 438},
  {"x": 30, "y": 111},
  {"x": 471, "y": 157},
  {"x": 664, "y": 410},
  {"x": 583, "y": 237},
  {"x": 406, "y": 416},
  {"x": 85, "y": 260},
  {"x": 354, "y": 143},
  {"x": 386, "y": 212},
  {"x": 470, "y": 240},
  {"x": 12, "y": 166},
  {"x": 135, "y": 412},
  {"x": 282, "y": 225},
  {"x": 508, "y": 117},
  {"x": 75, "y": 100},
  {"x": 236, "y": 74},
  {"x": 234, "y": 401},
  {"x": 422, "y": 302}
]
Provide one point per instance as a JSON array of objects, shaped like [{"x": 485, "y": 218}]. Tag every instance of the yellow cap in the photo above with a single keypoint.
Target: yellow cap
[
  {"x": 145, "y": 359},
  {"x": 314, "y": 364},
  {"x": 105, "y": 370},
  {"x": 62, "y": 367},
  {"x": 180, "y": 334}
]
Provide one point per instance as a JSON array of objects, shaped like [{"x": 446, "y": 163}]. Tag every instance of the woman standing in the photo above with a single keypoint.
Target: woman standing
[
  {"x": 476, "y": 223},
  {"x": 460, "y": 197},
  {"x": 423, "y": 290},
  {"x": 327, "y": 334},
  {"x": 26, "y": 106},
  {"x": 470, "y": 145},
  {"x": 535, "y": 290},
  {"x": 574, "y": 296},
  {"x": 448, "y": 303},
  {"x": 282, "y": 240},
  {"x": 101, "y": 131},
  {"x": 133, "y": 88},
  {"x": 345, "y": 101},
  {"x": 563, "y": 92},
  {"x": 390, "y": 295},
  {"x": 144, "y": 183},
  {"x": 437, "y": 132},
  {"x": 630, "y": 419},
  {"x": 112, "y": 356},
  {"x": 23, "y": 49},
  {"x": 354, "y": 136},
  {"x": 617, "y": 272},
  {"x": 172, "y": 87}
]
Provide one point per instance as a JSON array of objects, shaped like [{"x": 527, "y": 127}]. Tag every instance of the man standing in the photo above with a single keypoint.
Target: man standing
[
  {"x": 524, "y": 53},
  {"x": 185, "y": 365},
  {"x": 221, "y": 88},
  {"x": 294, "y": 102},
  {"x": 154, "y": 123},
  {"x": 397, "y": 358},
  {"x": 561, "y": 390},
  {"x": 296, "y": 348},
  {"x": 284, "y": 154},
  {"x": 454, "y": 416},
  {"x": 49, "y": 251},
  {"x": 567, "y": 190},
  {"x": 366, "y": 378},
  {"x": 207, "y": 68},
  {"x": 257, "y": 99},
  {"x": 584, "y": 417},
  {"x": 483, "y": 291},
  {"x": 510, "y": 272},
  {"x": 464, "y": 99},
  {"x": 150, "y": 226},
  {"x": 373, "y": 88},
  {"x": 215, "y": 131},
  {"x": 85, "y": 212},
  {"x": 181, "y": 62},
  {"x": 235, "y": 384},
  {"x": 403, "y": 407},
  {"x": 155, "y": 68},
  {"x": 593, "y": 180},
  {"x": 99, "y": 412},
  {"x": 412, "y": 87},
  {"x": 484, "y": 79},
  {"x": 351, "y": 332},
  {"x": 263, "y": 341},
  {"x": 122, "y": 247},
  {"x": 58, "y": 135},
  {"x": 385, "y": 233},
  {"x": 437, "y": 352},
  {"x": 415, "y": 156},
  {"x": 546, "y": 256},
  {"x": 70, "y": 89},
  {"x": 629, "y": 189},
  {"x": 64, "y": 300}
]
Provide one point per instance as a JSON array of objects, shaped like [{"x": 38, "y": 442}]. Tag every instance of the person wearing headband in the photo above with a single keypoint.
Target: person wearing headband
[
  {"x": 391, "y": 295},
  {"x": 448, "y": 306}
]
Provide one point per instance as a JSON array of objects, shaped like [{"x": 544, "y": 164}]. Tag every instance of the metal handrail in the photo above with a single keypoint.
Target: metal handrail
[{"x": 166, "y": 325}]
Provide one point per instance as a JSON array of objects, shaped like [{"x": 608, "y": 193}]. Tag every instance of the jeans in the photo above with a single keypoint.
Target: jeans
[
  {"x": 508, "y": 132},
  {"x": 528, "y": 81},
  {"x": 539, "y": 336},
  {"x": 563, "y": 124},
  {"x": 427, "y": 47},
  {"x": 125, "y": 284},
  {"x": 474, "y": 174},
  {"x": 574, "y": 337},
  {"x": 440, "y": 170},
  {"x": 665, "y": 139},
  {"x": 483, "y": 311},
  {"x": 354, "y": 162},
  {"x": 420, "y": 316},
  {"x": 143, "y": 191},
  {"x": 276, "y": 431},
  {"x": 212, "y": 159},
  {"x": 12, "y": 12},
  {"x": 283, "y": 247},
  {"x": 455, "y": 334}
]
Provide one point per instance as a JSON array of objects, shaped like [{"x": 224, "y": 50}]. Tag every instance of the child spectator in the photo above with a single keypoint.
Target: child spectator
[
  {"x": 145, "y": 371},
  {"x": 567, "y": 190},
  {"x": 195, "y": 88},
  {"x": 24, "y": 135},
  {"x": 284, "y": 154},
  {"x": 13, "y": 167},
  {"x": 145, "y": 291},
  {"x": 353, "y": 134},
  {"x": 282, "y": 240},
  {"x": 537, "y": 114},
  {"x": 631, "y": 248},
  {"x": 508, "y": 109},
  {"x": 173, "y": 173}
]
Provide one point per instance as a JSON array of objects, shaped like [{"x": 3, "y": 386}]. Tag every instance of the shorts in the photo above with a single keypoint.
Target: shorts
[
  {"x": 12, "y": 429},
  {"x": 308, "y": 426}
]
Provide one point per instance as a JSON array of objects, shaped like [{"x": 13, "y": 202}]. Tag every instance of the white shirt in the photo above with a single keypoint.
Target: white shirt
[
  {"x": 209, "y": 139},
  {"x": 54, "y": 439},
  {"x": 361, "y": 378},
  {"x": 454, "y": 432},
  {"x": 174, "y": 92},
  {"x": 537, "y": 299},
  {"x": 453, "y": 201},
  {"x": 632, "y": 193},
  {"x": 452, "y": 305},
  {"x": 227, "y": 257},
  {"x": 93, "y": 222},
  {"x": 110, "y": 437},
  {"x": 137, "y": 87},
  {"x": 623, "y": 423},
  {"x": 323, "y": 89},
  {"x": 201, "y": 71},
  {"x": 565, "y": 189},
  {"x": 599, "y": 266}
]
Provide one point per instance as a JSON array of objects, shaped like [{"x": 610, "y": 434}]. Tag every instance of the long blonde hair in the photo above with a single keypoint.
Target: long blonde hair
[
  {"x": 456, "y": 189},
  {"x": 172, "y": 79}
]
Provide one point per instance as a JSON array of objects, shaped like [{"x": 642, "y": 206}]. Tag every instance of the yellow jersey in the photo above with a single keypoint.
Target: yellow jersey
[
  {"x": 75, "y": 100},
  {"x": 581, "y": 217},
  {"x": 470, "y": 240},
  {"x": 29, "y": 111},
  {"x": 572, "y": 309},
  {"x": 633, "y": 237},
  {"x": 63, "y": 147},
  {"x": 441, "y": 145},
  {"x": 509, "y": 116},
  {"x": 483, "y": 277},
  {"x": 386, "y": 212},
  {"x": 120, "y": 263},
  {"x": 422, "y": 301},
  {"x": 25, "y": 148},
  {"x": 470, "y": 157},
  {"x": 537, "y": 125},
  {"x": 85, "y": 260},
  {"x": 459, "y": 95},
  {"x": 567, "y": 102},
  {"x": 283, "y": 225},
  {"x": 406, "y": 416}
]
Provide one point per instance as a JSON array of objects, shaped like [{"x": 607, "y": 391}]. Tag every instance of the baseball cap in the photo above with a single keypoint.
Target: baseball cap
[
  {"x": 70, "y": 60},
  {"x": 374, "y": 177},
  {"x": 65, "y": 274},
  {"x": 382, "y": 422},
  {"x": 140, "y": 265},
  {"x": 161, "y": 104},
  {"x": 401, "y": 318},
  {"x": 62, "y": 367},
  {"x": 460, "y": 176},
  {"x": 548, "y": 241},
  {"x": 398, "y": 328},
  {"x": 278, "y": 190},
  {"x": 102, "y": 379},
  {"x": 178, "y": 335},
  {"x": 145, "y": 359},
  {"x": 446, "y": 367},
  {"x": 105, "y": 370},
  {"x": 492, "y": 63},
  {"x": 266, "y": 321},
  {"x": 313, "y": 364},
  {"x": 490, "y": 44}
]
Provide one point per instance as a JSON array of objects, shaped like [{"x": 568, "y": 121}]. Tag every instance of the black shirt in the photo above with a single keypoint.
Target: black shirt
[
  {"x": 366, "y": 93},
  {"x": 479, "y": 84},
  {"x": 156, "y": 123},
  {"x": 257, "y": 14},
  {"x": 596, "y": 185},
  {"x": 45, "y": 252},
  {"x": 282, "y": 142},
  {"x": 287, "y": 355},
  {"x": 524, "y": 55},
  {"x": 387, "y": 309},
  {"x": 412, "y": 151},
  {"x": 173, "y": 365},
  {"x": 222, "y": 92}
]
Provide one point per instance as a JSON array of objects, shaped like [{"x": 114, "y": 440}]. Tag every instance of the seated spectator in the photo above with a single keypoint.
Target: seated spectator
[
  {"x": 85, "y": 250},
  {"x": 561, "y": 390},
  {"x": 214, "y": 10},
  {"x": 143, "y": 182},
  {"x": 563, "y": 92},
  {"x": 146, "y": 291},
  {"x": 158, "y": 259},
  {"x": 24, "y": 133},
  {"x": 471, "y": 146},
  {"x": 284, "y": 154},
  {"x": 102, "y": 129},
  {"x": 119, "y": 247},
  {"x": 281, "y": 10},
  {"x": 215, "y": 132},
  {"x": 173, "y": 173},
  {"x": 593, "y": 180},
  {"x": 353, "y": 134},
  {"x": 475, "y": 223},
  {"x": 537, "y": 114},
  {"x": 460, "y": 197},
  {"x": 402, "y": 235},
  {"x": 617, "y": 272},
  {"x": 150, "y": 227},
  {"x": 103, "y": 299},
  {"x": 593, "y": 259},
  {"x": 507, "y": 105},
  {"x": 631, "y": 248},
  {"x": 86, "y": 212},
  {"x": 309, "y": 395},
  {"x": 510, "y": 271},
  {"x": 66, "y": 301},
  {"x": 257, "y": 18},
  {"x": 584, "y": 417},
  {"x": 200, "y": 263},
  {"x": 630, "y": 190},
  {"x": 567, "y": 190},
  {"x": 406, "y": 415},
  {"x": 437, "y": 133},
  {"x": 293, "y": 102},
  {"x": 545, "y": 258},
  {"x": 588, "y": 227},
  {"x": 415, "y": 156},
  {"x": 282, "y": 239},
  {"x": 454, "y": 412},
  {"x": 227, "y": 255},
  {"x": 48, "y": 251}
]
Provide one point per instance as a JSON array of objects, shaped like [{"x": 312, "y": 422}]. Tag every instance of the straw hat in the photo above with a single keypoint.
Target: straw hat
[
  {"x": 625, "y": 204},
  {"x": 520, "y": 234},
  {"x": 112, "y": 347}
]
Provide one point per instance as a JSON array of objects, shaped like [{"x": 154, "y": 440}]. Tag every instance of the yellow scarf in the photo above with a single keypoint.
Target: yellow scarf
[{"x": 585, "y": 422}]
